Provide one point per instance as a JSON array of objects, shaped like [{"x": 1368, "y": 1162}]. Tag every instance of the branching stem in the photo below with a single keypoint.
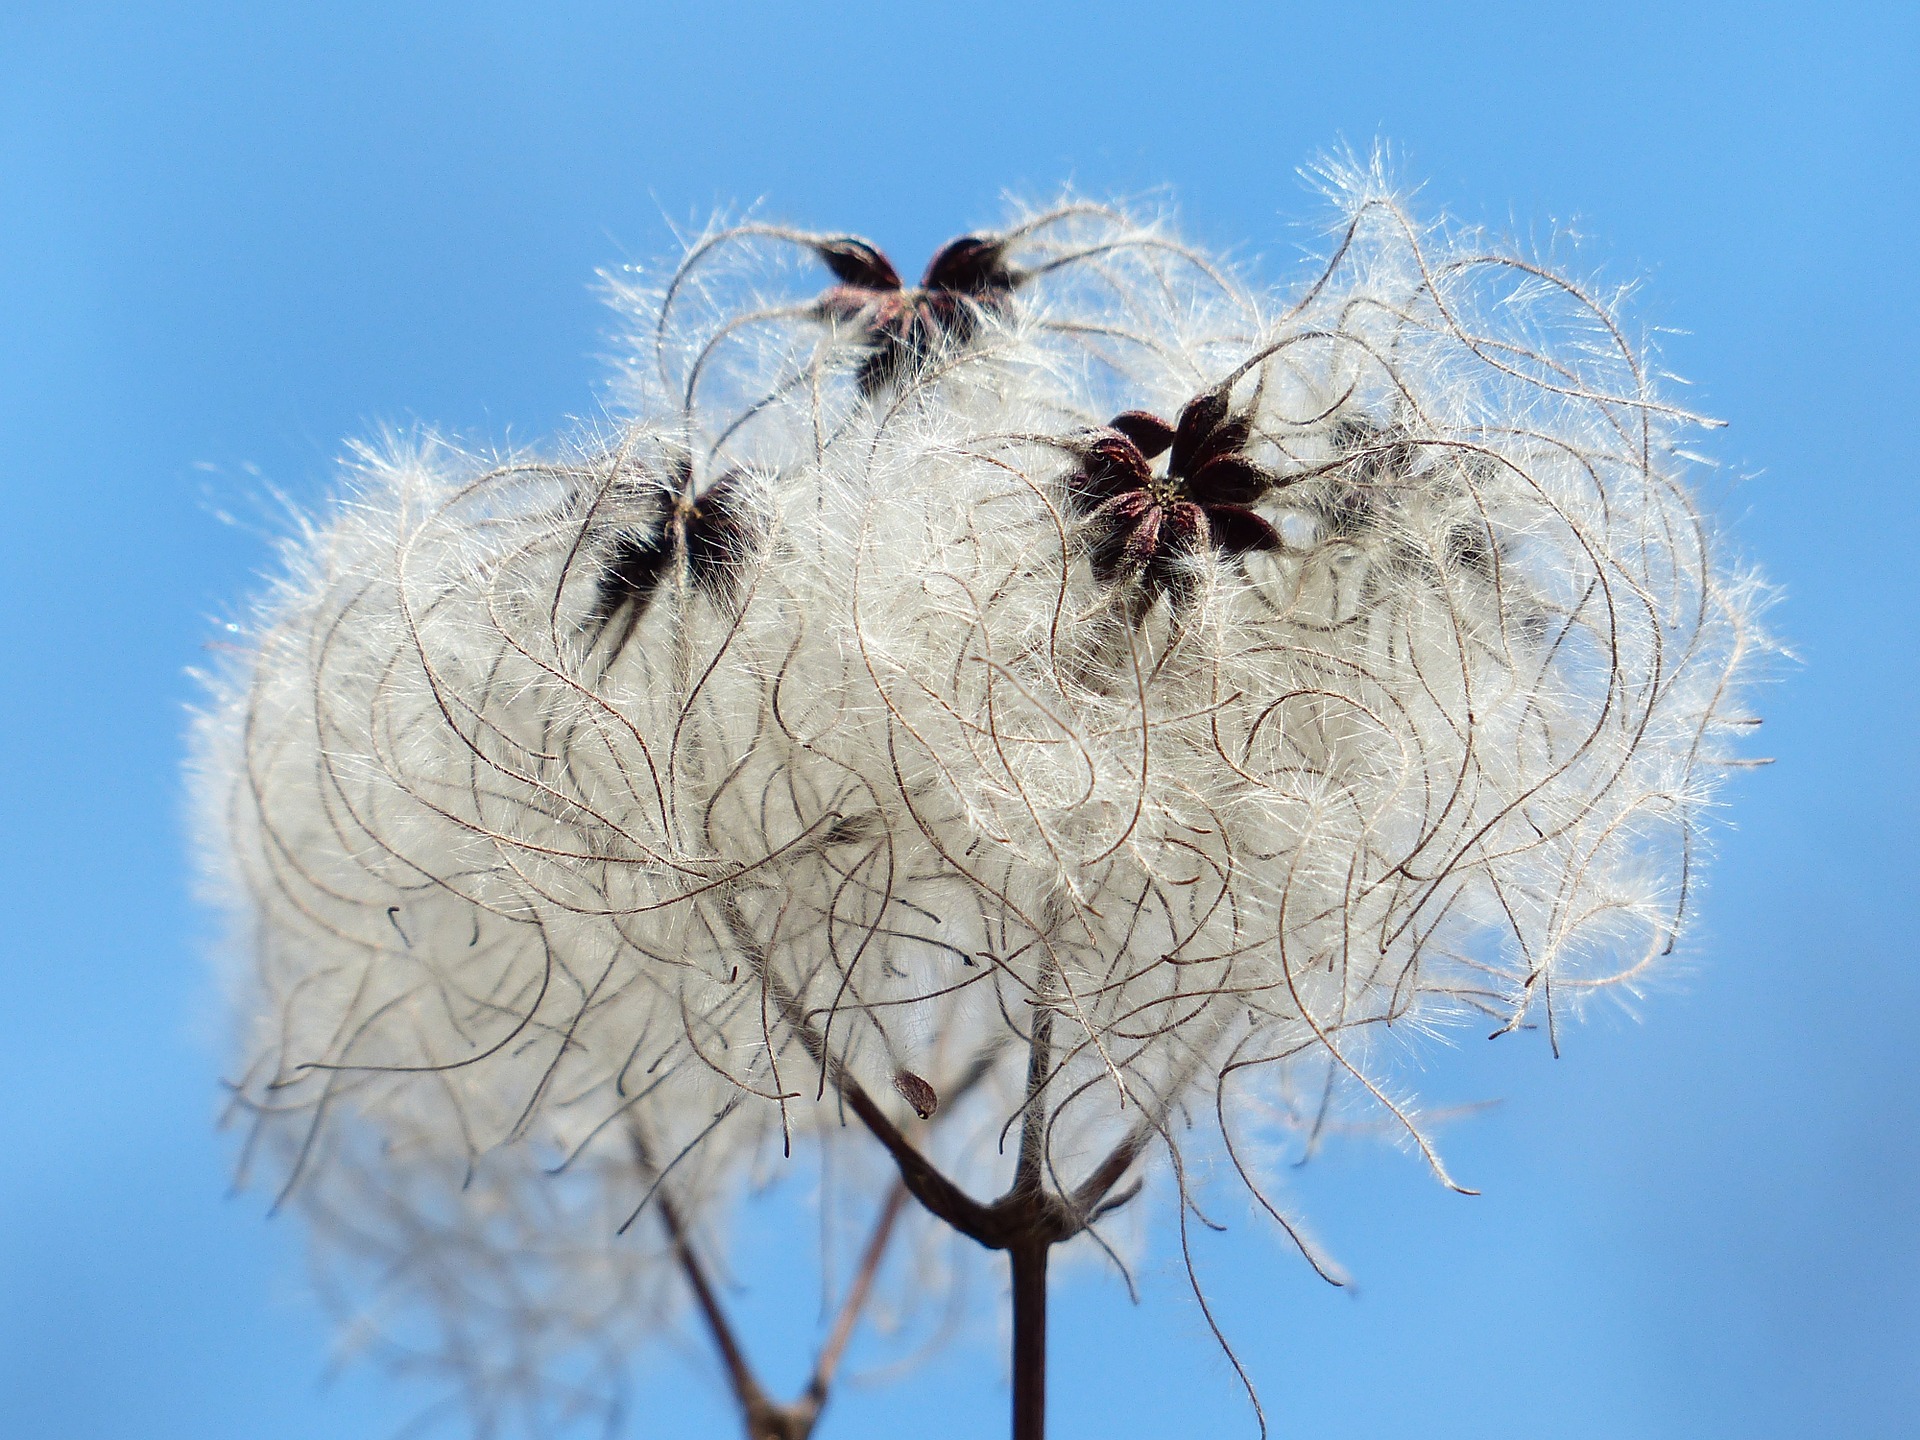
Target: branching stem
[
  {"x": 764, "y": 1417},
  {"x": 1026, "y": 1222}
]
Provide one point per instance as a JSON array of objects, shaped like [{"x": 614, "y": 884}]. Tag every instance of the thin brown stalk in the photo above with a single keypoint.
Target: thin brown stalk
[
  {"x": 857, "y": 1294},
  {"x": 746, "y": 1386},
  {"x": 1030, "y": 1340}
]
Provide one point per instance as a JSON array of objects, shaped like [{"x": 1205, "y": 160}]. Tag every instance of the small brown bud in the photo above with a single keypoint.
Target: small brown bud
[{"x": 917, "y": 1093}]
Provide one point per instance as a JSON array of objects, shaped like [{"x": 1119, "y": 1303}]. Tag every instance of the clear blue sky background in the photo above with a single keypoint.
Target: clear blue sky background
[{"x": 232, "y": 236}]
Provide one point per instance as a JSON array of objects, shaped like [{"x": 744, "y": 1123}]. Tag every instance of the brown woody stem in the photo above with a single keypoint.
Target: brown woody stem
[
  {"x": 928, "y": 1185},
  {"x": 1029, "y": 1340},
  {"x": 919, "y": 1174}
]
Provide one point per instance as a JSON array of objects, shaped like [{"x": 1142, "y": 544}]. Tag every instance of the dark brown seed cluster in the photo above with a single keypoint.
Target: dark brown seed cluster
[
  {"x": 712, "y": 533},
  {"x": 966, "y": 282},
  {"x": 1141, "y": 526}
]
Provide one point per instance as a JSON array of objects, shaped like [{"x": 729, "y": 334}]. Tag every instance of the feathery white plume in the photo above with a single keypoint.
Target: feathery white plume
[{"x": 1043, "y": 713}]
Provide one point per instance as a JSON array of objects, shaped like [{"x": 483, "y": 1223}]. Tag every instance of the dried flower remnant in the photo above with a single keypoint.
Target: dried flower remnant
[
  {"x": 967, "y": 281},
  {"x": 1142, "y": 526},
  {"x": 472, "y": 852},
  {"x": 703, "y": 540},
  {"x": 731, "y": 337},
  {"x": 1432, "y": 746}
]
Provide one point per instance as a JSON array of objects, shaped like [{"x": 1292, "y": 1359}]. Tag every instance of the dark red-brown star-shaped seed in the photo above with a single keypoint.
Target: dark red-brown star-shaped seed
[
  {"x": 1141, "y": 524},
  {"x": 714, "y": 531},
  {"x": 968, "y": 280}
]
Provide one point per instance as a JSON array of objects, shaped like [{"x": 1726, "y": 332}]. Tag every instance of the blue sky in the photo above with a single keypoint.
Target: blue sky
[{"x": 232, "y": 237}]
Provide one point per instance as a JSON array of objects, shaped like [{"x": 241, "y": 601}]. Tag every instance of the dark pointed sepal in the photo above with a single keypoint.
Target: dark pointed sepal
[
  {"x": 1229, "y": 437},
  {"x": 1126, "y": 532},
  {"x": 1149, "y": 432},
  {"x": 632, "y": 573},
  {"x": 1229, "y": 480},
  {"x": 1112, "y": 464},
  {"x": 721, "y": 536},
  {"x": 1199, "y": 418},
  {"x": 854, "y": 261},
  {"x": 972, "y": 265},
  {"x": 1239, "y": 531}
]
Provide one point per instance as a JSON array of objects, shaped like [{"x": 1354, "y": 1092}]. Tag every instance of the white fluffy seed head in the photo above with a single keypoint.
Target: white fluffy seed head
[{"x": 614, "y": 806}]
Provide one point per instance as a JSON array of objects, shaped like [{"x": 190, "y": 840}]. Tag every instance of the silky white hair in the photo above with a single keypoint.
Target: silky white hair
[{"x": 546, "y": 895}]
